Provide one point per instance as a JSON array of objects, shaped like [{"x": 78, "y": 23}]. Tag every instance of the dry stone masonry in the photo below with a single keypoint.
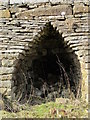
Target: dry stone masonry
[{"x": 21, "y": 23}]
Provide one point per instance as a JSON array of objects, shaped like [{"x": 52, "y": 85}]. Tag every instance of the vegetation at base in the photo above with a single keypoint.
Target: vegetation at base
[{"x": 61, "y": 108}]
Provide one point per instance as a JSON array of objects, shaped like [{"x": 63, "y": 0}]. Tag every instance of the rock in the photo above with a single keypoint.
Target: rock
[
  {"x": 61, "y": 1},
  {"x": 5, "y": 91},
  {"x": 6, "y": 77},
  {"x": 80, "y": 8},
  {"x": 0, "y": 62},
  {"x": 5, "y": 70},
  {"x": 5, "y": 13},
  {"x": 69, "y": 23},
  {"x": 5, "y": 84},
  {"x": 62, "y": 100},
  {"x": 7, "y": 62},
  {"x": 48, "y": 11},
  {"x": 1, "y": 105},
  {"x": 38, "y": 92}
]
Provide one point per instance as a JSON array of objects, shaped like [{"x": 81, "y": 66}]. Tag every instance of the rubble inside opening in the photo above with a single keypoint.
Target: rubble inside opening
[{"x": 52, "y": 72}]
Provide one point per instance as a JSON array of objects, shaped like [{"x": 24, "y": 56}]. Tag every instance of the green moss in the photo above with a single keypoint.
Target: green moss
[{"x": 70, "y": 109}]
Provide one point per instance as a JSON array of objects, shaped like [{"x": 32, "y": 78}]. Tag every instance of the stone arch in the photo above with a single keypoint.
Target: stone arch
[{"x": 47, "y": 62}]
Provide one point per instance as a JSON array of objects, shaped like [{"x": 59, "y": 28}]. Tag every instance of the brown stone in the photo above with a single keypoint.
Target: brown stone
[
  {"x": 5, "y": 13},
  {"x": 80, "y": 9},
  {"x": 69, "y": 23},
  {"x": 49, "y": 11}
]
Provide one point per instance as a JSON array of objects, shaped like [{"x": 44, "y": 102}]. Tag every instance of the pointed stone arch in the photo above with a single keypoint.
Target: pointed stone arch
[{"x": 47, "y": 61}]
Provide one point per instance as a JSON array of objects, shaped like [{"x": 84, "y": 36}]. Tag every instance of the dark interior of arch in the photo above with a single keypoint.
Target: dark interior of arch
[{"x": 52, "y": 71}]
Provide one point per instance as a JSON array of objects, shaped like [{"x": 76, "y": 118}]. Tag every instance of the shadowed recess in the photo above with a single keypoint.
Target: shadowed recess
[{"x": 49, "y": 69}]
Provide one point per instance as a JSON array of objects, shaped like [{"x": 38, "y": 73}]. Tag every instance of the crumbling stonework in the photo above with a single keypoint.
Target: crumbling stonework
[{"x": 20, "y": 23}]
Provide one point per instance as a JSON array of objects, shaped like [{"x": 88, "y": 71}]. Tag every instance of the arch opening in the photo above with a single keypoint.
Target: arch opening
[{"x": 49, "y": 70}]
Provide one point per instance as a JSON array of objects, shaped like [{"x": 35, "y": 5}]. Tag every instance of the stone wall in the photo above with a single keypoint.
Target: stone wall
[{"x": 20, "y": 23}]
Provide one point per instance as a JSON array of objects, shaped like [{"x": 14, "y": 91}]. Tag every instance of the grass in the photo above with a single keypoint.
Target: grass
[{"x": 61, "y": 108}]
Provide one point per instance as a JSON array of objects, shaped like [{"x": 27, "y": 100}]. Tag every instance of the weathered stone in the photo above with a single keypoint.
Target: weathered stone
[
  {"x": 61, "y": 1},
  {"x": 11, "y": 51},
  {"x": 82, "y": 30},
  {"x": 6, "y": 70},
  {"x": 0, "y": 62},
  {"x": 49, "y": 11},
  {"x": 82, "y": 16},
  {"x": 80, "y": 8},
  {"x": 5, "y": 14},
  {"x": 9, "y": 56},
  {"x": 59, "y": 17},
  {"x": 30, "y": 1},
  {"x": 5, "y": 91},
  {"x": 87, "y": 59},
  {"x": 14, "y": 9},
  {"x": 81, "y": 1},
  {"x": 1, "y": 105},
  {"x": 62, "y": 100},
  {"x": 6, "y": 77},
  {"x": 69, "y": 23},
  {"x": 17, "y": 35},
  {"x": 5, "y": 84},
  {"x": 7, "y": 62},
  {"x": 87, "y": 65}
]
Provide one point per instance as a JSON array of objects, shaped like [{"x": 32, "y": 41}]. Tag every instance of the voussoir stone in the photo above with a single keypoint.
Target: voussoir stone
[
  {"x": 6, "y": 70},
  {"x": 6, "y": 77}
]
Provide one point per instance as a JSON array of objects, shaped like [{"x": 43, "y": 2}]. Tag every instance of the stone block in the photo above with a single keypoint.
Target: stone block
[
  {"x": 5, "y": 84},
  {"x": 88, "y": 77},
  {"x": 88, "y": 71},
  {"x": 7, "y": 62},
  {"x": 69, "y": 23},
  {"x": 5, "y": 90},
  {"x": 6, "y": 70},
  {"x": 87, "y": 65},
  {"x": 0, "y": 62},
  {"x": 48, "y": 11},
  {"x": 80, "y": 8},
  {"x": 28, "y": 1},
  {"x": 61, "y": 1},
  {"x": 81, "y": 1},
  {"x": 5, "y": 14},
  {"x": 1, "y": 105},
  {"x": 6, "y": 77},
  {"x": 14, "y": 9},
  {"x": 87, "y": 59}
]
